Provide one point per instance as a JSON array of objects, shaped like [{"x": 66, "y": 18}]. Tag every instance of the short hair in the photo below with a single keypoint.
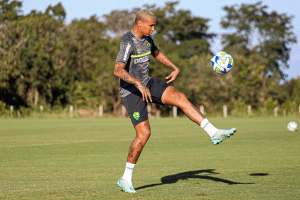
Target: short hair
[{"x": 143, "y": 15}]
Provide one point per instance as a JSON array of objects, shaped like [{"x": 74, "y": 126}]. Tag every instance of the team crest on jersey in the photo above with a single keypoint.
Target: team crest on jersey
[
  {"x": 149, "y": 45},
  {"x": 136, "y": 115},
  {"x": 138, "y": 51}
]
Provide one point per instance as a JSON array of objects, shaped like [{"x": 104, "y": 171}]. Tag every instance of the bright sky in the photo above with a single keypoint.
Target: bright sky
[{"x": 206, "y": 9}]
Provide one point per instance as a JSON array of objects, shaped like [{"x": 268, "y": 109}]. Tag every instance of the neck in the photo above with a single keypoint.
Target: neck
[{"x": 137, "y": 33}]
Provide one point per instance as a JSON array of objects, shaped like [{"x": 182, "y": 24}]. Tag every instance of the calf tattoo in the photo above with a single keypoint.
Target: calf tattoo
[{"x": 135, "y": 151}]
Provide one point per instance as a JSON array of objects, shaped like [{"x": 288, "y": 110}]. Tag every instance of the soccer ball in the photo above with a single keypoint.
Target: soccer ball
[
  {"x": 222, "y": 62},
  {"x": 292, "y": 126}
]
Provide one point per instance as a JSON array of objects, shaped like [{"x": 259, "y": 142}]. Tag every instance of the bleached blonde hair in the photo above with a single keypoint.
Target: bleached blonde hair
[{"x": 143, "y": 15}]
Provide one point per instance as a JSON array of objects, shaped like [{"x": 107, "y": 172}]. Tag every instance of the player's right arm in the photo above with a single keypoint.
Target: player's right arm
[{"x": 120, "y": 72}]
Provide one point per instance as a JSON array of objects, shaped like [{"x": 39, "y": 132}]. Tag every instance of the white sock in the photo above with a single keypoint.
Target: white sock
[
  {"x": 208, "y": 127},
  {"x": 127, "y": 176}
]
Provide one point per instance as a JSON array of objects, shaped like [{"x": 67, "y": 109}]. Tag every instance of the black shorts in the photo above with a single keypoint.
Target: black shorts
[{"x": 137, "y": 107}]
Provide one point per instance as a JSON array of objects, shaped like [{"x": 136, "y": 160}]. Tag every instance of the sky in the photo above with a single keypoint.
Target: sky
[{"x": 207, "y": 9}]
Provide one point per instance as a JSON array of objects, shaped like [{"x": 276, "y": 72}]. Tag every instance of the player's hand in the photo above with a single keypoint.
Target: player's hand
[
  {"x": 173, "y": 76},
  {"x": 145, "y": 92}
]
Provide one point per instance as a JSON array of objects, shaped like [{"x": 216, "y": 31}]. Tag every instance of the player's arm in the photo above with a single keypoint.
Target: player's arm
[
  {"x": 161, "y": 57},
  {"x": 120, "y": 72}
]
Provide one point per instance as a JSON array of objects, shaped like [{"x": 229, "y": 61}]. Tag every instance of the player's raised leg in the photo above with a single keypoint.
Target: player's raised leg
[
  {"x": 172, "y": 96},
  {"x": 142, "y": 135}
]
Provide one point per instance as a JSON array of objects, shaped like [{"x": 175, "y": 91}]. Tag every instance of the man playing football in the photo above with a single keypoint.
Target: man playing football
[{"x": 137, "y": 88}]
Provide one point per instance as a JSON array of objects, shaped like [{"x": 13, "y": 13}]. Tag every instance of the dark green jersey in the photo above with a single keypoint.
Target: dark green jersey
[{"x": 135, "y": 53}]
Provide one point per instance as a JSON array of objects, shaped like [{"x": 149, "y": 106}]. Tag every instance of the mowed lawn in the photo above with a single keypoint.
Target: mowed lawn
[{"x": 84, "y": 158}]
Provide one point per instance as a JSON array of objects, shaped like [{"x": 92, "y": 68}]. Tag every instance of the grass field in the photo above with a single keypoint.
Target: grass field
[{"x": 84, "y": 158}]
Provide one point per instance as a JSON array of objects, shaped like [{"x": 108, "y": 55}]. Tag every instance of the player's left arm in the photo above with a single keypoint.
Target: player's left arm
[{"x": 161, "y": 57}]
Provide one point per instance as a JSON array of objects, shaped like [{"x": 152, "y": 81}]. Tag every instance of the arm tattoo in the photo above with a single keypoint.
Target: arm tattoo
[
  {"x": 117, "y": 70},
  {"x": 121, "y": 73}
]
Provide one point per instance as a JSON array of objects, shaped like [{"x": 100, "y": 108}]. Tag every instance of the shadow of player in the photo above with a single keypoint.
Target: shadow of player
[{"x": 198, "y": 174}]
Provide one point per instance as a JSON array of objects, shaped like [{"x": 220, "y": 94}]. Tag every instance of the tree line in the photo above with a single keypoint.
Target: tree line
[{"x": 44, "y": 61}]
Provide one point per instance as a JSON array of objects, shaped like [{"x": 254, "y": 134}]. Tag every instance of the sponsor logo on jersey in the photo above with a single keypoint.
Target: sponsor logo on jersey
[
  {"x": 126, "y": 52},
  {"x": 141, "y": 60}
]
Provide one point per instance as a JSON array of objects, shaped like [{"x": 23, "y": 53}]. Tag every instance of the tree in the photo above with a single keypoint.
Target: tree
[
  {"x": 13, "y": 36},
  {"x": 58, "y": 12},
  {"x": 178, "y": 31},
  {"x": 118, "y": 22},
  {"x": 257, "y": 31},
  {"x": 76, "y": 60},
  {"x": 291, "y": 94},
  {"x": 107, "y": 85},
  {"x": 9, "y": 11},
  {"x": 27, "y": 47}
]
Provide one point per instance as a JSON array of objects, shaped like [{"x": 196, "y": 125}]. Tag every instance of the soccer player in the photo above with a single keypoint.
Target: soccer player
[{"x": 137, "y": 88}]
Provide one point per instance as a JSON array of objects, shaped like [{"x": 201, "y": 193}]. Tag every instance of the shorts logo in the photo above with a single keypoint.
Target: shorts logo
[
  {"x": 149, "y": 45},
  {"x": 136, "y": 115}
]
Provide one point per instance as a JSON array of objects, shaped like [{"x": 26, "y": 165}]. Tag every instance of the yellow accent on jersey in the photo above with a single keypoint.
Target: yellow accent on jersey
[{"x": 141, "y": 55}]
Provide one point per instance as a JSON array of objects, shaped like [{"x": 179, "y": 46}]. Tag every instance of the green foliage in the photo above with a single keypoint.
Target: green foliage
[
  {"x": 4, "y": 112},
  {"x": 270, "y": 104},
  {"x": 296, "y": 92},
  {"x": 266, "y": 36},
  {"x": 44, "y": 61},
  {"x": 180, "y": 33},
  {"x": 27, "y": 61},
  {"x": 271, "y": 29},
  {"x": 85, "y": 95},
  {"x": 290, "y": 107},
  {"x": 118, "y": 22},
  {"x": 24, "y": 111},
  {"x": 239, "y": 108},
  {"x": 9, "y": 11}
]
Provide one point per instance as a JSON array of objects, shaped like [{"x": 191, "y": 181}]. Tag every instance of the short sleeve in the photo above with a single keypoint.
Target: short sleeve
[
  {"x": 154, "y": 47},
  {"x": 125, "y": 50}
]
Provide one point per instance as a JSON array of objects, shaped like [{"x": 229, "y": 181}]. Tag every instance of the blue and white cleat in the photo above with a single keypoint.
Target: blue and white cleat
[
  {"x": 127, "y": 187},
  {"x": 221, "y": 135}
]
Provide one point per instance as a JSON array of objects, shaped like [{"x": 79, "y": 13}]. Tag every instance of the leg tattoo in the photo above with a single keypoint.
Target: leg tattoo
[
  {"x": 136, "y": 147},
  {"x": 135, "y": 150}
]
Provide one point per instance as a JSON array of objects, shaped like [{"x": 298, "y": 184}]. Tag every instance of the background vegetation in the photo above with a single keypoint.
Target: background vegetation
[{"x": 46, "y": 62}]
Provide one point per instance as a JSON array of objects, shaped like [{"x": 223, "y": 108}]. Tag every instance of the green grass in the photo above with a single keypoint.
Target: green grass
[{"x": 84, "y": 158}]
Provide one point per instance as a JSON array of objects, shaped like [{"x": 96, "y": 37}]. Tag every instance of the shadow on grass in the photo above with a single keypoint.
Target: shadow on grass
[
  {"x": 259, "y": 174},
  {"x": 192, "y": 174}
]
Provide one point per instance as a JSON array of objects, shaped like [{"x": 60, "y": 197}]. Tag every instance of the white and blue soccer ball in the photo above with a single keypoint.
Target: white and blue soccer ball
[
  {"x": 292, "y": 126},
  {"x": 222, "y": 62}
]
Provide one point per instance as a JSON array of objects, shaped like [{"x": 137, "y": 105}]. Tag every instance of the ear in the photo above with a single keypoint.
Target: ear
[{"x": 140, "y": 23}]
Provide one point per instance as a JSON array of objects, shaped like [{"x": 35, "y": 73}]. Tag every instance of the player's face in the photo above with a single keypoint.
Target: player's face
[{"x": 148, "y": 26}]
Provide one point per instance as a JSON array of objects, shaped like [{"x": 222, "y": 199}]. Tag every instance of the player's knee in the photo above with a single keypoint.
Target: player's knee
[
  {"x": 144, "y": 136},
  {"x": 182, "y": 101},
  {"x": 144, "y": 133},
  {"x": 181, "y": 97},
  {"x": 147, "y": 133}
]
